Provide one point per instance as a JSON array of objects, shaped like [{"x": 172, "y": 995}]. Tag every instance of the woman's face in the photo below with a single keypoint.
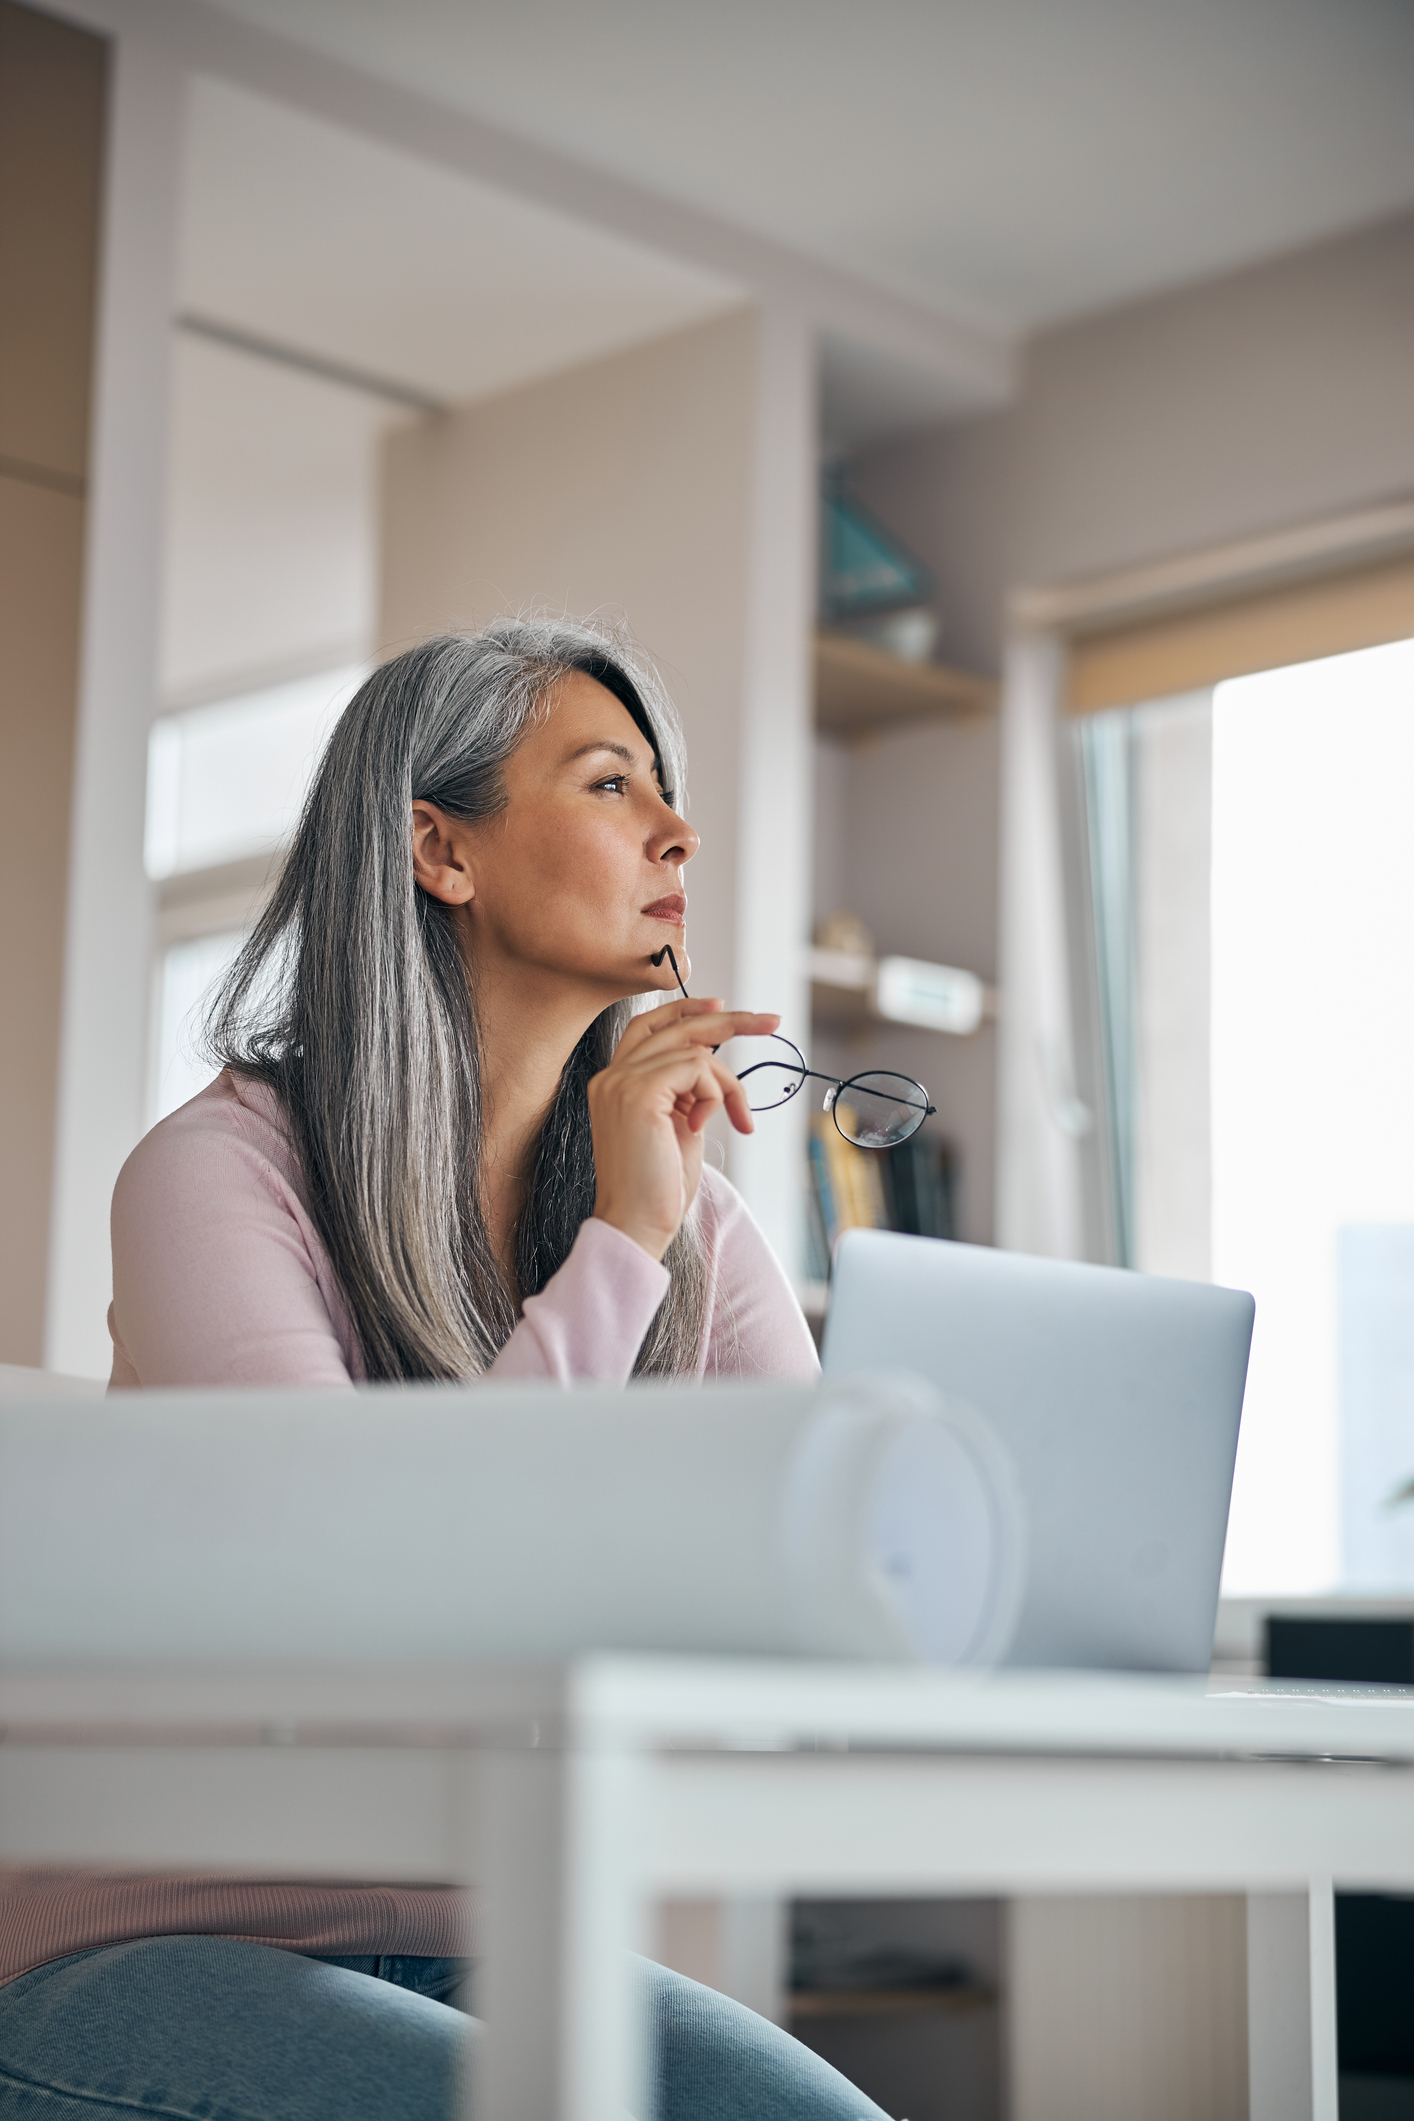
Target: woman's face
[{"x": 580, "y": 875}]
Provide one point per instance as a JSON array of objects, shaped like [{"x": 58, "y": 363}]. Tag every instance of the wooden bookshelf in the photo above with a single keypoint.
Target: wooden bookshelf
[
  {"x": 859, "y": 687},
  {"x": 954, "y": 2002}
]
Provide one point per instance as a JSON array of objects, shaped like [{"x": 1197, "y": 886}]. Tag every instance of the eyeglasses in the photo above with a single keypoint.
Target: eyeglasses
[{"x": 877, "y": 1110}]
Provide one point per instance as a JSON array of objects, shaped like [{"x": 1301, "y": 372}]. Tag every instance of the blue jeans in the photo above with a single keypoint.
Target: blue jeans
[{"x": 213, "y": 2029}]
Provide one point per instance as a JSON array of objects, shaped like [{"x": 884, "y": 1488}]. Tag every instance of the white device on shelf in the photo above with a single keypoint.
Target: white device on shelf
[
  {"x": 934, "y": 997},
  {"x": 906, "y": 990}
]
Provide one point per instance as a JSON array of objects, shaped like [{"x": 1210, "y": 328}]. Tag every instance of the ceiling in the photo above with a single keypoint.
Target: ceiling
[
  {"x": 326, "y": 241},
  {"x": 1018, "y": 161}
]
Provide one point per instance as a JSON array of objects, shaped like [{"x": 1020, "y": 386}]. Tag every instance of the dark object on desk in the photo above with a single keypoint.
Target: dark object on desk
[
  {"x": 1377, "y": 1652},
  {"x": 1374, "y": 1932},
  {"x": 1374, "y": 1956}
]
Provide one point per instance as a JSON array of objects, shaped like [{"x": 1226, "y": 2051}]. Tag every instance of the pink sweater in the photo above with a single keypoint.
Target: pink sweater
[{"x": 220, "y": 1278}]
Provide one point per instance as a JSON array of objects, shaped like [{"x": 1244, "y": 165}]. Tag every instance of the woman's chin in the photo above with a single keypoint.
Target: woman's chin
[
  {"x": 631, "y": 976},
  {"x": 662, "y": 974},
  {"x": 631, "y": 970}
]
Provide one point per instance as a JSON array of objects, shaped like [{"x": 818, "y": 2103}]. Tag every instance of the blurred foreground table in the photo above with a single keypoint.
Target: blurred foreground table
[{"x": 573, "y": 1797}]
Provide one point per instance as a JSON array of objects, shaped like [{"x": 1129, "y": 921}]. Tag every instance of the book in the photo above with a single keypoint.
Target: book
[
  {"x": 907, "y": 1188},
  {"x": 920, "y": 1181}
]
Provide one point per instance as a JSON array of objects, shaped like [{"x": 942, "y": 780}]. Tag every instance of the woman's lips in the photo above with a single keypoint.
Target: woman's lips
[{"x": 672, "y": 909}]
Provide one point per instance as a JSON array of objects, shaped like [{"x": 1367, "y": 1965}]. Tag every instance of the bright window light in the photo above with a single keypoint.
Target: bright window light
[
  {"x": 227, "y": 781},
  {"x": 188, "y": 973},
  {"x": 1313, "y": 1110}
]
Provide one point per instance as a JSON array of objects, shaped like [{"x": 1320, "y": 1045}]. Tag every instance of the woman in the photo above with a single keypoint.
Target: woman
[{"x": 441, "y": 1146}]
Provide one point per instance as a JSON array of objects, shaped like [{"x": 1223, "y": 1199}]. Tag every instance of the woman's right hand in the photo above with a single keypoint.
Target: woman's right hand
[{"x": 648, "y": 1108}]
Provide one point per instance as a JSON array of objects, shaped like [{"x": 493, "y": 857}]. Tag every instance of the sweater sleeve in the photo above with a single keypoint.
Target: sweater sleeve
[
  {"x": 589, "y": 1321},
  {"x": 220, "y": 1277},
  {"x": 756, "y": 1328}
]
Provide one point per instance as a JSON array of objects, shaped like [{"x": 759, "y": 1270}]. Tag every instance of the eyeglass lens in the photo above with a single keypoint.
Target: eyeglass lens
[{"x": 878, "y": 1111}]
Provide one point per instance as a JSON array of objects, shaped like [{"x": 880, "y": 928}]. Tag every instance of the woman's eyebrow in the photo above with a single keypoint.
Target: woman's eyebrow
[{"x": 620, "y": 751}]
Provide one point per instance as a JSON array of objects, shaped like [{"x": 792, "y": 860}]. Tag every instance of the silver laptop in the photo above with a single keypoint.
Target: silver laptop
[{"x": 1118, "y": 1396}]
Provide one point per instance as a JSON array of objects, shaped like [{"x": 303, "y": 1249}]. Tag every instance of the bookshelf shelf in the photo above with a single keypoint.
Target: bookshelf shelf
[
  {"x": 859, "y": 687},
  {"x": 952, "y": 2002}
]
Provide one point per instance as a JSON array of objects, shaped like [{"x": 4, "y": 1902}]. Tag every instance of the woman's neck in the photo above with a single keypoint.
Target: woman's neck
[
  {"x": 511, "y": 1124},
  {"x": 528, "y": 1030}
]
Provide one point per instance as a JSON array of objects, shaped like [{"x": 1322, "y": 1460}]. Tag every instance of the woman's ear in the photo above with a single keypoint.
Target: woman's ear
[{"x": 439, "y": 856}]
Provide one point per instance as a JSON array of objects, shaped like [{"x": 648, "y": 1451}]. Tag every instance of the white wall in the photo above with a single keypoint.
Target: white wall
[{"x": 271, "y": 553}]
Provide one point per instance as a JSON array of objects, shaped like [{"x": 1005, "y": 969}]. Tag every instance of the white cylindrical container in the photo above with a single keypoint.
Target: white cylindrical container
[{"x": 862, "y": 1518}]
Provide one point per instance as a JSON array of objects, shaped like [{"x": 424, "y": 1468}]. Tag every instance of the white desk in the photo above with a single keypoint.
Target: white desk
[{"x": 576, "y": 1796}]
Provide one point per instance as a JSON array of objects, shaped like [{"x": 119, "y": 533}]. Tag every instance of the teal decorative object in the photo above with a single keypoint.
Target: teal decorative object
[{"x": 863, "y": 567}]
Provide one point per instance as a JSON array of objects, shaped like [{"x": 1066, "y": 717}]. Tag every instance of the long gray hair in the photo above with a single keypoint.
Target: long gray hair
[{"x": 352, "y": 1000}]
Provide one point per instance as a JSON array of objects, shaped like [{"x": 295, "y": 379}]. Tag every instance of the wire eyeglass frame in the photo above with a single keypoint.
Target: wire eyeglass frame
[{"x": 836, "y": 1086}]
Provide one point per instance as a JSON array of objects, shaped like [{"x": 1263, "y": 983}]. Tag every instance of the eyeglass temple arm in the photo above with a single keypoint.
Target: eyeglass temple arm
[
  {"x": 667, "y": 952},
  {"x": 813, "y": 1073}
]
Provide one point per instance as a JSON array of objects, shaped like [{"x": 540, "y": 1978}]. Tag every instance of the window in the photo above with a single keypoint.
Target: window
[
  {"x": 1313, "y": 1107},
  {"x": 224, "y": 788},
  {"x": 187, "y": 975},
  {"x": 1147, "y": 781},
  {"x": 227, "y": 780},
  {"x": 1250, "y": 872}
]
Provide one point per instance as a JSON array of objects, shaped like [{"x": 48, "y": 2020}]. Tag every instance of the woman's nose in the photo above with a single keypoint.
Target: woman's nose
[{"x": 676, "y": 843}]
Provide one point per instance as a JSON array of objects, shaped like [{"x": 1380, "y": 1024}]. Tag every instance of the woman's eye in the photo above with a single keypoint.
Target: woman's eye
[{"x": 617, "y": 781}]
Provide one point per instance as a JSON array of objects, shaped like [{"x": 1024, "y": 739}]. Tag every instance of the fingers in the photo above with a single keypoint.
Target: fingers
[
  {"x": 695, "y": 1022},
  {"x": 737, "y": 1109},
  {"x": 695, "y": 1079},
  {"x": 654, "y": 1022},
  {"x": 731, "y": 1097}
]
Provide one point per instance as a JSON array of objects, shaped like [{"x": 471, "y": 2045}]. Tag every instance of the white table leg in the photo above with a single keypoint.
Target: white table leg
[
  {"x": 557, "y": 1913},
  {"x": 1291, "y": 2050}
]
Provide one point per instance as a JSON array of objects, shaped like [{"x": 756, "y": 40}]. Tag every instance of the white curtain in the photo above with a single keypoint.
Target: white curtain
[{"x": 1041, "y": 1121}]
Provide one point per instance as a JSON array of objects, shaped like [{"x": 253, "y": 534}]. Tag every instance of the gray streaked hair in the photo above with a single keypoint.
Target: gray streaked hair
[{"x": 352, "y": 1000}]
